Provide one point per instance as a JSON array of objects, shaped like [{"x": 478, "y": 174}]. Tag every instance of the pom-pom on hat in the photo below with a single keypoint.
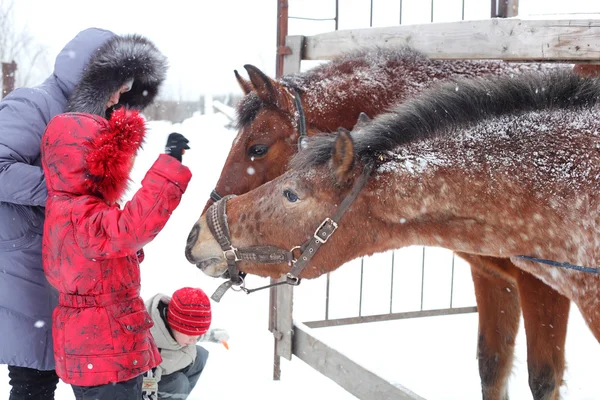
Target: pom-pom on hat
[{"x": 189, "y": 311}]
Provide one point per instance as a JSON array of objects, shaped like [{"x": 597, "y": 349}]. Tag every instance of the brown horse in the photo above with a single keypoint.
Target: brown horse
[
  {"x": 509, "y": 171},
  {"x": 371, "y": 81}
]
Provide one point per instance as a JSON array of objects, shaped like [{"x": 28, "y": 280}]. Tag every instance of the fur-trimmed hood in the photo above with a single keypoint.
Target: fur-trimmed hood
[
  {"x": 89, "y": 155},
  {"x": 119, "y": 60}
]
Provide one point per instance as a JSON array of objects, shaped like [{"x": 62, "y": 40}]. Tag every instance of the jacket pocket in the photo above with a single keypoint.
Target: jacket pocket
[
  {"x": 137, "y": 322},
  {"x": 20, "y": 226},
  {"x": 33, "y": 216}
]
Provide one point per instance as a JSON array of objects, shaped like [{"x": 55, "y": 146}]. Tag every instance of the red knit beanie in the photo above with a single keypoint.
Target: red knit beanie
[{"x": 189, "y": 311}]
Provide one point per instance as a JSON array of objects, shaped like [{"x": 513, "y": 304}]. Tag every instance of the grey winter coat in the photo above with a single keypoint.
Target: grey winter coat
[
  {"x": 26, "y": 298},
  {"x": 175, "y": 356}
]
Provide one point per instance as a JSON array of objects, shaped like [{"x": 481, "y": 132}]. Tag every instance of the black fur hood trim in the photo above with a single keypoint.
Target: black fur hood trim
[{"x": 119, "y": 60}]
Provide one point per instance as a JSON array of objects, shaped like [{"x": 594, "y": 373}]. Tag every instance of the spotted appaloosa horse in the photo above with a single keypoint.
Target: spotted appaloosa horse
[
  {"x": 371, "y": 81},
  {"x": 511, "y": 169}
]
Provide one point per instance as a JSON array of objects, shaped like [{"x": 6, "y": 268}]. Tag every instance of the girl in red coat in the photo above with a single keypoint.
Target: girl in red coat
[{"x": 92, "y": 247}]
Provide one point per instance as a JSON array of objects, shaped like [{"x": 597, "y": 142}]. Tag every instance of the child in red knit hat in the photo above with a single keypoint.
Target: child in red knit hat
[{"x": 179, "y": 323}]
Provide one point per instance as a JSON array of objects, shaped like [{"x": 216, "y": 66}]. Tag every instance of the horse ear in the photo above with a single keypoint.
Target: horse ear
[
  {"x": 269, "y": 90},
  {"x": 244, "y": 84},
  {"x": 363, "y": 119},
  {"x": 342, "y": 156}
]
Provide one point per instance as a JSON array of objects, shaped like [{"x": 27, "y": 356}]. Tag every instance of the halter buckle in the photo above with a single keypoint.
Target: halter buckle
[
  {"x": 232, "y": 254},
  {"x": 324, "y": 237}
]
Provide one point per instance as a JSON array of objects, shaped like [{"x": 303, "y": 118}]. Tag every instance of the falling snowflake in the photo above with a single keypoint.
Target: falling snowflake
[{"x": 39, "y": 324}]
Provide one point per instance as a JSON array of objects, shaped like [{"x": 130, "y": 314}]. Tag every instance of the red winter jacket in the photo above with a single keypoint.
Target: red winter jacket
[{"x": 101, "y": 327}]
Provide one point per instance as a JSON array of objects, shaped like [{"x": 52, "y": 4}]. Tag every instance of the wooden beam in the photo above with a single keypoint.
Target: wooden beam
[
  {"x": 512, "y": 39},
  {"x": 353, "y": 377},
  {"x": 293, "y": 59}
]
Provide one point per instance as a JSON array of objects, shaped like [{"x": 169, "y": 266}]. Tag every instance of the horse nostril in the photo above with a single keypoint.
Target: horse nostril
[
  {"x": 191, "y": 240},
  {"x": 193, "y": 235}
]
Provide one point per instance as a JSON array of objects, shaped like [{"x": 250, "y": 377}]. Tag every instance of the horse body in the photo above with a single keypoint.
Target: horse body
[
  {"x": 372, "y": 81},
  {"x": 526, "y": 185},
  {"x": 456, "y": 191}
]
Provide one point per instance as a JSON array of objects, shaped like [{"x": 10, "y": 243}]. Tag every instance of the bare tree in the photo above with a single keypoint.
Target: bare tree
[{"x": 17, "y": 44}]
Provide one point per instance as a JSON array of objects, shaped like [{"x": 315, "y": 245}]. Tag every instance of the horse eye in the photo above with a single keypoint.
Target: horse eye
[
  {"x": 290, "y": 196},
  {"x": 258, "y": 150}
]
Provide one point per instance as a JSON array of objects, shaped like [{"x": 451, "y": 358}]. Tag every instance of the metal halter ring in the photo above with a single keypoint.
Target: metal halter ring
[
  {"x": 239, "y": 287},
  {"x": 294, "y": 259}
]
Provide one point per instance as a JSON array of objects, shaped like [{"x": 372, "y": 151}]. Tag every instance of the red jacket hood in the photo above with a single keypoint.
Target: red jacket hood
[{"x": 100, "y": 152}]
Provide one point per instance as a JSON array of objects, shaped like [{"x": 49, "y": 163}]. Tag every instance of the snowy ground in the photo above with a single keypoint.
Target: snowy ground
[{"x": 434, "y": 357}]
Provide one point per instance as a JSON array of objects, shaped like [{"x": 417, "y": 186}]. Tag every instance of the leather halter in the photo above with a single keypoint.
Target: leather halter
[
  {"x": 216, "y": 219},
  {"x": 301, "y": 128}
]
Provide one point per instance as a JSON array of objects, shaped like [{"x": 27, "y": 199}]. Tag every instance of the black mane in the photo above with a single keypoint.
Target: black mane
[{"x": 457, "y": 104}]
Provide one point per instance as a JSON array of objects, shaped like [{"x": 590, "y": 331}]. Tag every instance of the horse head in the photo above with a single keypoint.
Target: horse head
[
  {"x": 267, "y": 136},
  {"x": 284, "y": 213}
]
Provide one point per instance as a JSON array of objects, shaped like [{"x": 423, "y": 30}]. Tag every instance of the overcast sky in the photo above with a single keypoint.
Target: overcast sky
[{"x": 205, "y": 40}]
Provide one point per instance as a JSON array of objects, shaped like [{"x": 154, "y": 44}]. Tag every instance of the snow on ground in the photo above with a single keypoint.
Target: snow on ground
[{"x": 434, "y": 357}]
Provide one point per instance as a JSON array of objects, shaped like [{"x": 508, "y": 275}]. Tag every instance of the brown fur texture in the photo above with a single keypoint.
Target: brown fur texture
[{"x": 416, "y": 199}]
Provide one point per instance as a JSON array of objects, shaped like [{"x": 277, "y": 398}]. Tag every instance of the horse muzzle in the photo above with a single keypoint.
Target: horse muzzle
[{"x": 203, "y": 250}]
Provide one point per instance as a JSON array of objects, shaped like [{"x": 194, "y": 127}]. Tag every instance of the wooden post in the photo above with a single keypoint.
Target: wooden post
[
  {"x": 282, "y": 31},
  {"x": 281, "y": 297},
  {"x": 8, "y": 77}
]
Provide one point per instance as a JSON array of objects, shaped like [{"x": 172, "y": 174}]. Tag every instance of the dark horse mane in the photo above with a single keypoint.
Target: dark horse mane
[
  {"x": 458, "y": 104},
  {"x": 346, "y": 64}
]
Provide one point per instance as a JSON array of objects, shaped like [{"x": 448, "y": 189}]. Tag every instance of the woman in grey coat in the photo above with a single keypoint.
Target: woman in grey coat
[{"x": 26, "y": 298}]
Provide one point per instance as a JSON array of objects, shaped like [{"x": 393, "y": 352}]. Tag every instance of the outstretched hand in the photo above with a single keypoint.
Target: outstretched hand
[{"x": 216, "y": 335}]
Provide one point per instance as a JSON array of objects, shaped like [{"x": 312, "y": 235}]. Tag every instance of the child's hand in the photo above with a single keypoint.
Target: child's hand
[{"x": 215, "y": 335}]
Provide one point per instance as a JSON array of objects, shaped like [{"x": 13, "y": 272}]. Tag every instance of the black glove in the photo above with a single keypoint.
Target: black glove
[{"x": 176, "y": 145}]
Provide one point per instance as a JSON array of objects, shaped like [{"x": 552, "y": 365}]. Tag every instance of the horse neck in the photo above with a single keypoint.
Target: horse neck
[
  {"x": 337, "y": 99},
  {"x": 486, "y": 193}
]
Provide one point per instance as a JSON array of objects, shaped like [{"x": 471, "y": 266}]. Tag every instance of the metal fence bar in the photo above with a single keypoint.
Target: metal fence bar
[
  {"x": 337, "y": 14},
  {"x": 362, "y": 266},
  {"x": 391, "y": 317},
  {"x": 312, "y": 19},
  {"x": 422, "y": 277},
  {"x": 392, "y": 282},
  {"x": 452, "y": 281},
  {"x": 431, "y": 10},
  {"x": 400, "y": 22},
  {"x": 327, "y": 296},
  {"x": 371, "y": 17}
]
